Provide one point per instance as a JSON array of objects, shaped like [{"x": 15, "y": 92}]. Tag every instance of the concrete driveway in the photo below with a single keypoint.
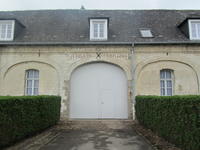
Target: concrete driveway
[{"x": 87, "y": 136}]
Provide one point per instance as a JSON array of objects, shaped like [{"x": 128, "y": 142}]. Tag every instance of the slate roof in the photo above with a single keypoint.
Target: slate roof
[{"x": 72, "y": 26}]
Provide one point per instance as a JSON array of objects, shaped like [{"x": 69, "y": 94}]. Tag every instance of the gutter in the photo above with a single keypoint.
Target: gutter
[
  {"x": 169, "y": 43},
  {"x": 64, "y": 43},
  {"x": 97, "y": 43}
]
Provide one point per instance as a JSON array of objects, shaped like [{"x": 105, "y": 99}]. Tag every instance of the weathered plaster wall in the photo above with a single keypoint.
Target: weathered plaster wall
[
  {"x": 142, "y": 67},
  {"x": 183, "y": 60},
  {"x": 15, "y": 78},
  {"x": 56, "y": 64}
]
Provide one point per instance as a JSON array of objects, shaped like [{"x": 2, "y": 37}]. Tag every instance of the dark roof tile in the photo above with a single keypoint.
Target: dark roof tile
[{"x": 72, "y": 26}]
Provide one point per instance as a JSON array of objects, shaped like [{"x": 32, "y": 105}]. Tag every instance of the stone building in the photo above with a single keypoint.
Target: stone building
[{"x": 99, "y": 60}]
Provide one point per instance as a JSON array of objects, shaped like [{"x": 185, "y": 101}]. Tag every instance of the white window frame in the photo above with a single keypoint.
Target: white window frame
[
  {"x": 92, "y": 22},
  {"x": 190, "y": 29},
  {"x": 12, "y": 22},
  {"x": 165, "y": 82},
  {"x": 33, "y": 79}
]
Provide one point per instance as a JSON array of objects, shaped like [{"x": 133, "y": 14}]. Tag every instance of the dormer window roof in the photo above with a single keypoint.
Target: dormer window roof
[
  {"x": 98, "y": 29},
  {"x": 7, "y": 30},
  {"x": 194, "y": 29}
]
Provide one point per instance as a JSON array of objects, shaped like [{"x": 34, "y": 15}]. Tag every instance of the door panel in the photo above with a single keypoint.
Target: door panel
[{"x": 107, "y": 104}]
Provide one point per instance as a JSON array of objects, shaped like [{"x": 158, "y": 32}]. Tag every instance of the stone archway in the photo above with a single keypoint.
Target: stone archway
[{"x": 66, "y": 89}]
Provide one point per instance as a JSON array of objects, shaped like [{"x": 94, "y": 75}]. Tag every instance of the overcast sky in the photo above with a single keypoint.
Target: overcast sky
[{"x": 98, "y": 4}]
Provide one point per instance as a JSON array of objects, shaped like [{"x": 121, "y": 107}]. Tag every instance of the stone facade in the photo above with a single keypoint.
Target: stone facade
[
  {"x": 141, "y": 64},
  {"x": 183, "y": 60}
]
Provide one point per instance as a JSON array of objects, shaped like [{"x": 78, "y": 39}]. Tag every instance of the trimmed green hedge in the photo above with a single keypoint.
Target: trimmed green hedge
[
  {"x": 176, "y": 118},
  {"x": 22, "y": 116}
]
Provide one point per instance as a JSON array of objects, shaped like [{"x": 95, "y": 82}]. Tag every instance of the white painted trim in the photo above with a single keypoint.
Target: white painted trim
[
  {"x": 105, "y": 21},
  {"x": 12, "y": 32},
  {"x": 190, "y": 28}
]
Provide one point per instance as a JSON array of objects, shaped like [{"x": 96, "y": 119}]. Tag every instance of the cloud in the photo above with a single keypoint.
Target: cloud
[
  {"x": 179, "y": 4},
  {"x": 94, "y": 4}
]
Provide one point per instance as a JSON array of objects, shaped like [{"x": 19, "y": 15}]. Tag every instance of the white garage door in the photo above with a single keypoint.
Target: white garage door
[{"x": 98, "y": 91}]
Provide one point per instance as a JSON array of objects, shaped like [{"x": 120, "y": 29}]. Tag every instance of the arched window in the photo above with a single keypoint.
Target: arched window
[
  {"x": 166, "y": 82},
  {"x": 32, "y": 82}
]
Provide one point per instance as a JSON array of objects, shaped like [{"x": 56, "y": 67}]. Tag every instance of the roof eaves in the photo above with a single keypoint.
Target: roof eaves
[
  {"x": 97, "y": 43},
  {"x": 65, "y": 43},
  {"x": 169, "y": 43}
]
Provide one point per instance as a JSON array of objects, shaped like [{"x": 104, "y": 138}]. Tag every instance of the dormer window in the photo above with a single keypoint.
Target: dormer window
[
  {"x": 194, "y": 29},
  {"x": 98, "y": 29},
  {"x": 6, "y": 30}
]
